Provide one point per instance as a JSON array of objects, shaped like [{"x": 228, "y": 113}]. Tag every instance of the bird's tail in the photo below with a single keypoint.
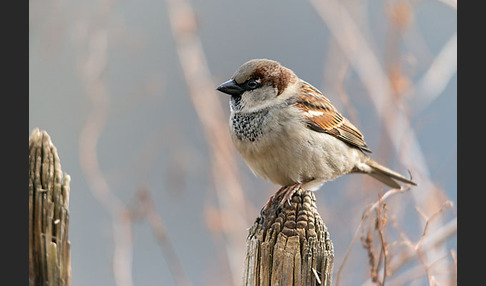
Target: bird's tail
[{"x": 387, "y": 176}]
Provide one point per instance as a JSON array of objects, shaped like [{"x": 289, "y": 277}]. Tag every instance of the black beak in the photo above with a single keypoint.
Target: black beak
[{"x": 231, "y": 87}]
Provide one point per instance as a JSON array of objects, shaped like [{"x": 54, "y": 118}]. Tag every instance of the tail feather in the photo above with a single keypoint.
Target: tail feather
[{"x": 387, "y": 176}]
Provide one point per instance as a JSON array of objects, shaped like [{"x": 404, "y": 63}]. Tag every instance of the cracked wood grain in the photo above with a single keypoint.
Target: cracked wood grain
[
  {"x": 289, "y": 245},
  {"x": 49, "y": 247}
]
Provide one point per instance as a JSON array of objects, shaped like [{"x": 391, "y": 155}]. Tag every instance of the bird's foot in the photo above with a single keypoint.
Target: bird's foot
[
  {"x": 288, "y": 193},
  {"x": 267, "y": 205},
  {"x": 270, "y": 201}
]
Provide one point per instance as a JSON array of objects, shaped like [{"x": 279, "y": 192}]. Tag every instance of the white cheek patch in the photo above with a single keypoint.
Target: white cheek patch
[{"x": 312, "y": 113}]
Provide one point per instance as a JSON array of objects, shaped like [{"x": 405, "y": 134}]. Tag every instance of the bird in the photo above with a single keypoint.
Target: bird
[{"x": 289, "y": 133}]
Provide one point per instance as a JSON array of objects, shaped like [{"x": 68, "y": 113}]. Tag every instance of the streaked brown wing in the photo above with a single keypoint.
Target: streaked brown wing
[{"x": 323, "y": 117}]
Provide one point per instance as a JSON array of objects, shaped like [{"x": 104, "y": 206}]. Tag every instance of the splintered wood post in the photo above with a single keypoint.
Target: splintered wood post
[
  {"x": 289, "y": 245},
  {"x": 49, "y": 247}
]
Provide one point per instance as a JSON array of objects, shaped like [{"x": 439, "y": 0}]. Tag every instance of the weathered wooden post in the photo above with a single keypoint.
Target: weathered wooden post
[
  {"x": 49, "y": 247},
  {"x": 289, "y": 246}
]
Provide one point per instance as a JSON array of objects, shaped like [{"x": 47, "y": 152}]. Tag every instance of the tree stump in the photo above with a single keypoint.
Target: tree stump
[
  {"x": 49, "y": 247},
  {"x": 289, "y": 245}
]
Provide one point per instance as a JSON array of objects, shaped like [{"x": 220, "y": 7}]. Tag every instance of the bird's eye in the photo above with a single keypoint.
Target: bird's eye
[{"x": 252, "y": 84}]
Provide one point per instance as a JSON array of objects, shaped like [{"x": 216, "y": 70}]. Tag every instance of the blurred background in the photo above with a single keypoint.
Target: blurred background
[{"x": 159, "y": 196}]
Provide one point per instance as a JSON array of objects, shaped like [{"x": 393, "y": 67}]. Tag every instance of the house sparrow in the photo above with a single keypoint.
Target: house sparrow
[{"x": 289, "y": 133}]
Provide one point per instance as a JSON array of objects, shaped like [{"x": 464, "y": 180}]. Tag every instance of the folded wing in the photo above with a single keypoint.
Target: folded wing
[{"x": 323, "y": 117}]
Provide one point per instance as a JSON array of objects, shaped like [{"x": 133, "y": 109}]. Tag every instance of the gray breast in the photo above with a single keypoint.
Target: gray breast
[{"x": 248, "y": 126}]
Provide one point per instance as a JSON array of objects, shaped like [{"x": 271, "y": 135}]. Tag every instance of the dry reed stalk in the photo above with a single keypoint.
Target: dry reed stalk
[
  {"x": 93, "y": 69},
  {"x": 93, "y": 72},
  {"x": 148, "y": 212},
  {"x": 232, "y": 201},
  {"x": 362, "y": 58}
]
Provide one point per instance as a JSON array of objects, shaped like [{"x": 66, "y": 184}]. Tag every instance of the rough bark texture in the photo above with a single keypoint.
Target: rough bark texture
[
  {"x": 289, "y": 245},
  {"x": 49, "y": 248}
]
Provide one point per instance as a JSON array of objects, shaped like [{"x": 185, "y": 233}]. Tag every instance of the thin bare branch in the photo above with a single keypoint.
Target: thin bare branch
[
  {"x": 381, "y": 221},
  {"x": 430, "y": 240},
  {"x": 418, "y": 246},
  {"x": 365, "y": 216}
]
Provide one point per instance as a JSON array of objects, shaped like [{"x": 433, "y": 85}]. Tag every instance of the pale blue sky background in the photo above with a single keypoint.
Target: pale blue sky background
[{"x": 153, "y": 137}]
